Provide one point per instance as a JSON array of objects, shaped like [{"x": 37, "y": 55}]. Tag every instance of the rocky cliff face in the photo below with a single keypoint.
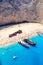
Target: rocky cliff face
[{"x": 20, "y": 10}]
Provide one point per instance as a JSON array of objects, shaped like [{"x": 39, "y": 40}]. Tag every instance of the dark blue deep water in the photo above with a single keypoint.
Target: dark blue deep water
[{"x": 31, "y": 56}]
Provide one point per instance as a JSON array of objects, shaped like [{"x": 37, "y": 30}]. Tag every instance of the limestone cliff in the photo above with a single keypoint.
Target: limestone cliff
[{"x": 20, "y": 10}]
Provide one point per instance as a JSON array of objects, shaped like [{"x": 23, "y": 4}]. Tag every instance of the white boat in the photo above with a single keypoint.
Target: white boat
[{"x": 24, "y": 44}]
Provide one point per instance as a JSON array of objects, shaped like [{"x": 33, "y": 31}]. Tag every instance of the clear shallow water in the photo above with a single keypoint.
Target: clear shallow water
[{"x": 24, "y": 56}]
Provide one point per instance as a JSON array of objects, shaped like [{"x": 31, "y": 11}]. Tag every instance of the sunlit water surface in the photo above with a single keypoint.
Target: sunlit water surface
[{"x": 16, "y": 54}]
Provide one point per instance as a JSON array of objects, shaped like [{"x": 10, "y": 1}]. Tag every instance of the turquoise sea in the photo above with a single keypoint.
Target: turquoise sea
[{"x": 23, "y": 56}]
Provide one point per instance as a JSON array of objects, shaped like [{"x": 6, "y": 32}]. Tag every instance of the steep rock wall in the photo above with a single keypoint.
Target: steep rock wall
[{"x": 20, "y": 10}]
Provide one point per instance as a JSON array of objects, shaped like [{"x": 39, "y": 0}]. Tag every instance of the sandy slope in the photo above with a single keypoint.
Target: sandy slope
[{"x": 28, "y": 29}]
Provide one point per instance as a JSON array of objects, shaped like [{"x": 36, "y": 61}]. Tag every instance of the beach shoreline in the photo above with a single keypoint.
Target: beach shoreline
[{"x": 28, "y": 30}]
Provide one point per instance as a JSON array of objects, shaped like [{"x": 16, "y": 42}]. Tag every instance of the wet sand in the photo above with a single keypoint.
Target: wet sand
[{"x": 28, "y": 30}]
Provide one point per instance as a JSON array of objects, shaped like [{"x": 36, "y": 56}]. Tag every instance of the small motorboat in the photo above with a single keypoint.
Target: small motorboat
[
  {"x": 29, "y": 42},
  {"x": 24, "y": 44}
]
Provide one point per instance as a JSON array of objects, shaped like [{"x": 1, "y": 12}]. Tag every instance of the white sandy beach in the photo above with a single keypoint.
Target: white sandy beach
[{"x": 28, "y": 29}]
